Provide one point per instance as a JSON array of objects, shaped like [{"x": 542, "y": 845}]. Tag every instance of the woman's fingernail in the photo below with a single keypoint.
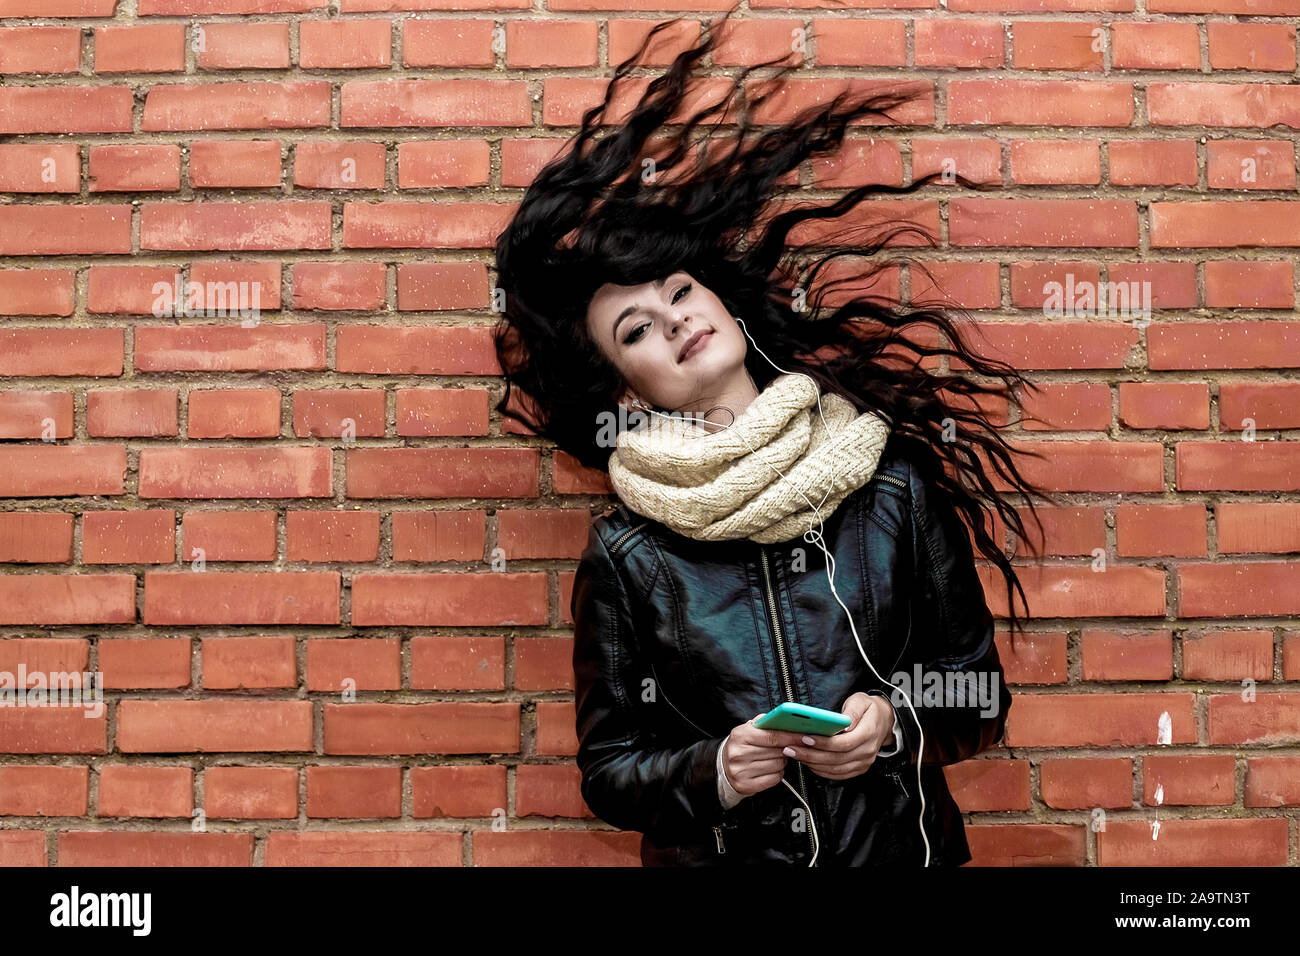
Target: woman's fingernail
[
  {"x": 789, "y": 751},
  {"x": 809, "y": 741}
]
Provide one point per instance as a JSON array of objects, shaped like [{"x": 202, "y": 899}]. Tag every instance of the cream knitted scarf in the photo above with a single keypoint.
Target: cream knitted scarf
[{"x": 720, "y": 485}]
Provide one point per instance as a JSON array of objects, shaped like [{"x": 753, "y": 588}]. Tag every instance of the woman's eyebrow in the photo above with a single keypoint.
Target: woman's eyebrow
[{"x": 658, "y": 284}]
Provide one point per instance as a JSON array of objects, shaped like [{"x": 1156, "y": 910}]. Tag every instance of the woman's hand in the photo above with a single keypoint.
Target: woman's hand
[
  {"x": 754, "y": 759},
  {"x": 850, "y": 752}
]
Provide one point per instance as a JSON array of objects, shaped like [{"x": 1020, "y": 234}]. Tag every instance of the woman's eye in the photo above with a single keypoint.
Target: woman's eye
[
  {"x": 684, "y": 290},
  {"x": 636, "y": 333}
]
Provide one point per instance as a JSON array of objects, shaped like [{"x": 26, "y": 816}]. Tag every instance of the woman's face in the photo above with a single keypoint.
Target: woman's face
[{"x": 674, "y": 342}]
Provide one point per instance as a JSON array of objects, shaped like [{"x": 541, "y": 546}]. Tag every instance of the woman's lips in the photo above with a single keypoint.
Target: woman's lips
[{"x": 694, "y": 344}]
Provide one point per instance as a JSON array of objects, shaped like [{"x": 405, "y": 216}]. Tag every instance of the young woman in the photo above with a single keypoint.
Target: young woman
[{"x": 792, "y": 484}]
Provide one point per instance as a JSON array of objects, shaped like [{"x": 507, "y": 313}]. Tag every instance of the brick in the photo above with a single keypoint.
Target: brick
[
  {"x": 543, "y": 532},
  {"x": 332, "y": 536},
  {"x": 442, "y": 411},
  {"x": 65, "y": 109},
  {"x": 460, "y": 42},
  {"x": 139, "y": 790},
  {"x": 344, "y": 44},
  {"x": 432, "y": 728},
  {"x": 1028, "y": 844},
  {"x": 1255, "y": 842},
  {"x": 33, "y": 790},
  {"x": 284, "y": 472},
  {"x": 458, "y": 663},
  {"x": 134, "y": 168},
  {"x": 250, "y": 793},
  {"x": 228, "y": 536},
  {"x": 231, "y": 348},
  {"x": 234, "y": 413},
  {"x": 1271, "y": 718},
  {"x": 1152, "y": 162},
  {"x": 958, "y": 43},
  {"x": 435, "y": 286},
  {"x": 50, "y": 230},
  {"x": 40, "y": 49},
  {"x": 251, "y": 105},
  {"x": 1228, "y": 655},
  {"x": 441, "y": 472},
  {"x": 1132, "y": 656},
  {"x": 38, "y": 168},
  {"x": 339, "y": 285},
  {"x": 36, "y": 414},
  {"x": 154, "y": 848},
  {"x": 330, "y": 412},
  {"x": 989, "y": 784},
  {"x": 543, "y": 663},
  {"x": 458, "y": 791},
  {"x": 1099, "y": 720},
  {"x": 35, "y": 537},
  {"x": 53, "y": 730},
  {"x": 238, "y": 226},
  {"x": 448, "y": 598},
  {"x": 423, "y": 225},
  {"x": 414, "y": 350},
  {"x": 550, "y": 790},
  {"x": 442, "y": 164},
  {"x": 140, "y": 48},
  {"x": 429, "y": 103},
  {"x": 37, "y": 292},
  {"x": 349, "y": 165},
  {"x": 1085, "y": 783},
  {"x": 213, "y": 726},
  {"x": 1016, "y": 102},
  {"x": 246, "y": 663},
  {"x": 354, "y": 663},
  {"x": 128, "y": 290},
  {"x": 241, "y": 597},
  {"x": 354, "y": 792},
  {"x": 1056, "y": 45},
  {"x": 235, "y": 164},
  {"x": 243, "y": 46},
  {"x": 143, "y": 536},
  {"x": 39, "y": 471},
  {"x": 131, "y": 663},
  {"x": 1189, "y": 780},
  {"x": 1043, "y": 222},
  {"x": 335, "y": 848},
  {"x": 427, "y": 535}
]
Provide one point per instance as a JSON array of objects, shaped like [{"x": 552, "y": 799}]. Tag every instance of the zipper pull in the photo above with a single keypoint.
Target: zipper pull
[
  {"x": 717, "y": 832},
  {"x": 899, "y": 780}
]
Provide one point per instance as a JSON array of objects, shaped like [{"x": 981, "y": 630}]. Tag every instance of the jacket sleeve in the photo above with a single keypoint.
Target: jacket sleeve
[
  {"x": 962, "y": 699},
  {"x": 627, "y": 782}
]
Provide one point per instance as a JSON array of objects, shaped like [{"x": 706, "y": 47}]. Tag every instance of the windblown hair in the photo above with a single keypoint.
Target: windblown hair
[{"x": 592, "y": 216}]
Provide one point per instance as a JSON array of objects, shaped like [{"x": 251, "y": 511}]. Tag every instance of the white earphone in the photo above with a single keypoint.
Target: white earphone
[{"x": 815, "y": 536}]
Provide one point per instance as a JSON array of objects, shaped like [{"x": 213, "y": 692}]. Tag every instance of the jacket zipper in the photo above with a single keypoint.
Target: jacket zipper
[
  {"x": 897, "y": 777},
  {"x": 785, "y": 676},
  {"x": 618, "y": 542},
  {"x": 717, "y": 832}
]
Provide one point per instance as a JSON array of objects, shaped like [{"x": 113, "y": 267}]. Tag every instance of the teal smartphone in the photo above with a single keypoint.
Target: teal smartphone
[{"x": 802, "y": 719}]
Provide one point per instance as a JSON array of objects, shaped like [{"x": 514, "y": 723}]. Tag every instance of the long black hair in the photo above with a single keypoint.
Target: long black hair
[{"x": 623, "y": 210}]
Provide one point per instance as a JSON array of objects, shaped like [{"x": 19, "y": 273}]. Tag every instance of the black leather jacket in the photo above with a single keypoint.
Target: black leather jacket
[{"x": 677, "y": 641}]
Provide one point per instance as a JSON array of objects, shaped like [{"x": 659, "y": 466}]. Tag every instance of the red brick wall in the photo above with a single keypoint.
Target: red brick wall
[{"x": 281, "y": 540}]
